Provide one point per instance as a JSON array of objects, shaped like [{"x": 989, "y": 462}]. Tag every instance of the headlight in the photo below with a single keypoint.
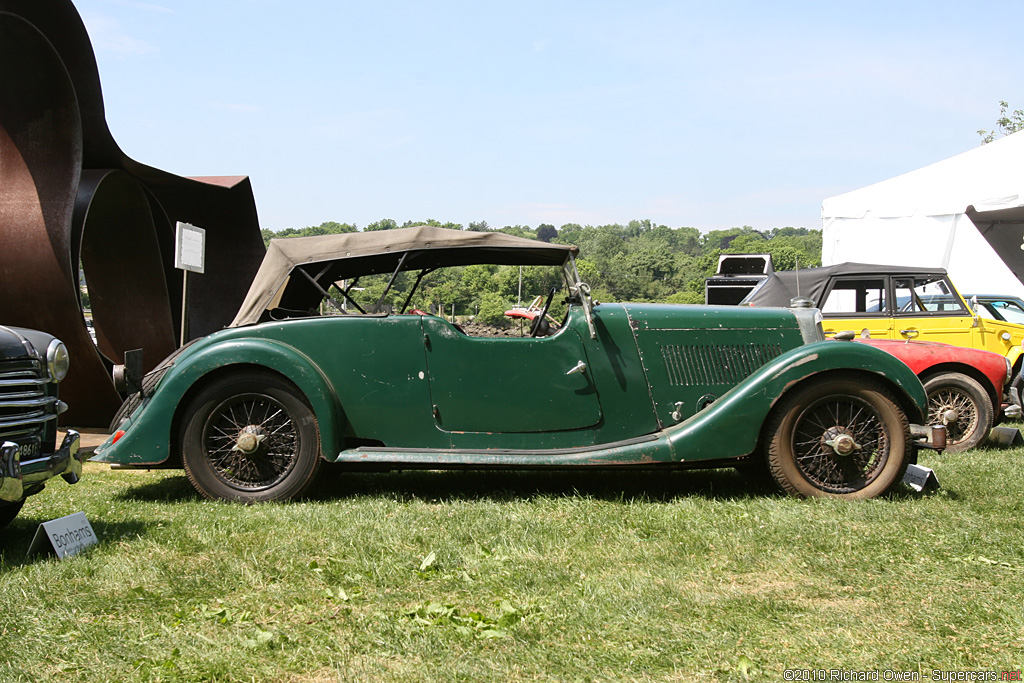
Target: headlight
[
  {"x": 57, "y": 360},
  {"x": 1009, "y": 368}
]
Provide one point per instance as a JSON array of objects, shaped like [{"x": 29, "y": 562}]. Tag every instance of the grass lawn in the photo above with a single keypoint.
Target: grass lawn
[{"x": 499, "y": 576}]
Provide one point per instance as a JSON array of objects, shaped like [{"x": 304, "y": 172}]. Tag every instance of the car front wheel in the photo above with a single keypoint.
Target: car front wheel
[
  {"x": 842, "y": 437},
  {"x": 963, "y": 405},
  {"x": 250, "y": 438},
  {"x": 8, "y": 511}
]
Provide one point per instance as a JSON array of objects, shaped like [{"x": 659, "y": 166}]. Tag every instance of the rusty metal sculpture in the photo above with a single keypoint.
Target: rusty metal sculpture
[{"x": 70, "y": 196}]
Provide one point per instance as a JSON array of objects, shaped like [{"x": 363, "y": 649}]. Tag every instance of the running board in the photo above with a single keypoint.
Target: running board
[{"x": 648, "y": 449}]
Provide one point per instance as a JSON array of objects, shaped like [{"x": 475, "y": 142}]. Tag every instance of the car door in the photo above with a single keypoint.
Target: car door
[
  {"x": 929, "y": 308},
  {"x": 857, "y": 303},
  {"x": 508, "y": 385}
]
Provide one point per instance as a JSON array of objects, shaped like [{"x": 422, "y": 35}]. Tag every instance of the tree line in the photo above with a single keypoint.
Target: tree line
[{"x": 639, "y": 261}]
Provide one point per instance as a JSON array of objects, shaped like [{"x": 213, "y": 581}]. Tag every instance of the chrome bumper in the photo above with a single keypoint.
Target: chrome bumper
[
  {"x": 932, "y": 436},
  {"x": 17, "y": 475}
]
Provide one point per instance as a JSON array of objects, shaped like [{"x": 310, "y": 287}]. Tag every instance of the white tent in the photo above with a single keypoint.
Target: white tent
[{"x": 964, "y": 214}]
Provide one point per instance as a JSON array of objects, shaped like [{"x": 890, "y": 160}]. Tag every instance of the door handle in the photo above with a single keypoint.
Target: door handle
[
  {"x": 910, "y": 334},
  {"x": 580, "y": 367}
]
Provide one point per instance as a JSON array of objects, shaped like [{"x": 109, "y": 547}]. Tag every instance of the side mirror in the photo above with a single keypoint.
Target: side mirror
[{"x": 974, "y": 310}]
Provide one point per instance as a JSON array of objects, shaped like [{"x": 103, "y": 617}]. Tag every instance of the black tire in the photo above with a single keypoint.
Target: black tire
[
  {"x": 250, "y": 438},
  {"x": 962, "y": 404},
  {"x": 812, "y": 426},
  {"x": 8, "y": 511}
]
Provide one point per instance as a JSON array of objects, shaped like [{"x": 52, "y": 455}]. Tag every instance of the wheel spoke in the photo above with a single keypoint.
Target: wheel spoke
[
  {"x": 273, "y": 457},
  {"x": 827, "y": 420}
]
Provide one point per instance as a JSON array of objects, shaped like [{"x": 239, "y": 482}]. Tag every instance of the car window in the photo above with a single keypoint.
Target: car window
[
  {"x": 988, "y": 312},
  {"x": 923, "y": 294},
  {"x": 1010, "y": 311},
  {"x": 855, "y": 295},
  {"x": 479, "y": 299}
]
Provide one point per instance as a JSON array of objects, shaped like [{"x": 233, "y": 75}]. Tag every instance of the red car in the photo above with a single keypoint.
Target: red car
[{"x": 968, "y": 389}]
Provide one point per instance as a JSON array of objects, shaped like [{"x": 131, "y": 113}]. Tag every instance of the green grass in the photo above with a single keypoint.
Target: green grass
[{"x": 569, "y": 576}]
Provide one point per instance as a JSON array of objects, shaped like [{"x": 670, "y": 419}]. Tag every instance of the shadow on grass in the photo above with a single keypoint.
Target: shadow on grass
[
  {"x": 16, "y": 538},
  {"x": 506, "y": 485},
  {"x": 173, "y": 488},
  {"x": 339, "y": 481}
]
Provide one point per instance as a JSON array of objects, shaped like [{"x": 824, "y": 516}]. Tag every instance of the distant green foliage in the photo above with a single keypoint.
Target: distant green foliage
[
  {"x": 639, "y": 261},
  {"x": 325, "y": 228},
  {"x": 492, "y": 310}
]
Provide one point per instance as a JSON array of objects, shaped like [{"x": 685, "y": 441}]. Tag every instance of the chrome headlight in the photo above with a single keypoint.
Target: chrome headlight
[
  {"x": 57, "y": 360},
  {"x": 1009, "y": 368}
]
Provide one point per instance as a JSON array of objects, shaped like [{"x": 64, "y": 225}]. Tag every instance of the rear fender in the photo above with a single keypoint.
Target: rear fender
[{"x": 150, "y": 431}]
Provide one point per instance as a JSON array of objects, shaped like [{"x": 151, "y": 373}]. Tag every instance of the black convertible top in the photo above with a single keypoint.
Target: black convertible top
[{"x": 781, "y": 287}]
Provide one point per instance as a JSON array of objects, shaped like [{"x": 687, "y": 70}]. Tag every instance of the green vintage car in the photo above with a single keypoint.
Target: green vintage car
[{"x": 252, "y": 411}]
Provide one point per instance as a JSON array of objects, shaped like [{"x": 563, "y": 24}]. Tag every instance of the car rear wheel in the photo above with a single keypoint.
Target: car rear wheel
[
  {"x": 843, "y": 437},
  {"x": 8, "y": 511},
  {"x": 250, "y": 438},
  {"x": 962, "y": 404}
]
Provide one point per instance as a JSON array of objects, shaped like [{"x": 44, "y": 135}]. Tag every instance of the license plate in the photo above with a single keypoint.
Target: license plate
[{"x": 30, "y": 449}]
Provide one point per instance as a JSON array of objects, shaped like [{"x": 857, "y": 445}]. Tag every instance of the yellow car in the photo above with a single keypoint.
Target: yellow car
[{"x": 894, "y": 302}]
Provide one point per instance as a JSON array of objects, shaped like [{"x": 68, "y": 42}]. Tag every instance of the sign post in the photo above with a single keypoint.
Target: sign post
[{"x": 189, "y": 255}]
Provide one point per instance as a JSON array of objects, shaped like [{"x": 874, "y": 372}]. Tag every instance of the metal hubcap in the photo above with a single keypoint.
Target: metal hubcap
[
  {"x": 839, "y": 441},
  {"x": 249, "y": 439}
]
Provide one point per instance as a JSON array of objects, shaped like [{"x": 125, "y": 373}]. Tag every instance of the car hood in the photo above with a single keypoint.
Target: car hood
[
  {"x": 14, "y": 344},
  {"x": 20, "y": 342}
]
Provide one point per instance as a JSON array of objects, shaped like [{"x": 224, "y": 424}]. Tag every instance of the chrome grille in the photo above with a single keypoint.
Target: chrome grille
[
  {"x": 715, "y": 364},
  {"x": 24, "y": 405}
]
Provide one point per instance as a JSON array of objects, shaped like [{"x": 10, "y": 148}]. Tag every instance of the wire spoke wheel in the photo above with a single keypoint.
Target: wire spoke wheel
[
  {"x": 842, "y": 438},
  {"x": 961, "y": 404},
  {"x": 957, "y": 405},
  {"x": 251, "y": 438},
  {"x": 840, "y": 444},
  {"x": 251, "y": 441}
]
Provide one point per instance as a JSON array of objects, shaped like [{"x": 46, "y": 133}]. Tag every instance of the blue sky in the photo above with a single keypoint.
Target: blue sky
[{"x": 701, "y": 114}]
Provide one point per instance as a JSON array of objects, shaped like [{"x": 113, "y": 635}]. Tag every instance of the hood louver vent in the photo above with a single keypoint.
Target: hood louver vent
[{"x": 715, "y": 364}]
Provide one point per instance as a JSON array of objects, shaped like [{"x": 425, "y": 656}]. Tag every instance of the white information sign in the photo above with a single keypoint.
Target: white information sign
[
  {"x": 190, "y": 248},
  {"x": 66, "y": 536},
  {"x": 920, "y": 478}
]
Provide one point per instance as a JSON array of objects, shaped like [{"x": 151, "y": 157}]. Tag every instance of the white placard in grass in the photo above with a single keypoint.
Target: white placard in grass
[
  {"x": 920, "y": 478},
  {"x": 190, "y": 248},
  {"x": 65, "y": 536}
]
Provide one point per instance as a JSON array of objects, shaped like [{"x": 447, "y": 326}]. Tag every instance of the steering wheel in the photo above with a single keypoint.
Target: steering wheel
[{"x": 540, "y": 321}]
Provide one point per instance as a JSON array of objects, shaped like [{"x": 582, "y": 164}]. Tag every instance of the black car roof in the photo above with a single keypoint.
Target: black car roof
[{"x": 781, "y": 287}]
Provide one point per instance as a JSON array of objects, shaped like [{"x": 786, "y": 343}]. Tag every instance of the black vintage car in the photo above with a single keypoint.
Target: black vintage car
[{"x": 31, "y": 365}]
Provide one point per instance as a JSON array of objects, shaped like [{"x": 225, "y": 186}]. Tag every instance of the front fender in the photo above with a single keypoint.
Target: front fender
[
  {"x": 730, "y": 427},
  {"x": 148, "y": 432}
]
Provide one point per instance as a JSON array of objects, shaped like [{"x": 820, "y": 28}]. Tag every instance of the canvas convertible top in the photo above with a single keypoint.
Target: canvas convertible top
[
  {"x": 327, "y": 259},
  {"x": 781, "y": 287}
]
